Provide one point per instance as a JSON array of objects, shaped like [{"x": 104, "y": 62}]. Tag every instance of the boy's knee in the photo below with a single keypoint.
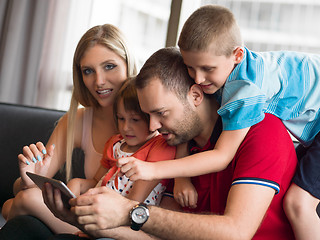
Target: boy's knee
[{"x": 298, "y": 202}]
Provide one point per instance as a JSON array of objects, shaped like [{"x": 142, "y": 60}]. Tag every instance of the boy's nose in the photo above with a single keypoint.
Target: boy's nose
[{"x": 199, "y": 78}]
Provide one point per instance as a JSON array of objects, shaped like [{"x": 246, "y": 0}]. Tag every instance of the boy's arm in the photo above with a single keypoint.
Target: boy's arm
[{"x": 197, "y": 164}]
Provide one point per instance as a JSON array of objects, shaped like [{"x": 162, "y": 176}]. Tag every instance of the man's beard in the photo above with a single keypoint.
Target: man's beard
[{"x": 185, "y": 129}]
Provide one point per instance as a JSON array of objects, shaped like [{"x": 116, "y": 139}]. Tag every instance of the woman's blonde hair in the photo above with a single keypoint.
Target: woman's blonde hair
[
  {"x": 211, "y": 24},
  {"x": 106, "y": 35}
]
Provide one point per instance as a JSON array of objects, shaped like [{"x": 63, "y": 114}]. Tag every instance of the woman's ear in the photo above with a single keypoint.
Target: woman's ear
[
  {"x": 238, "y": 54},
  {"x": 196, "y": 94}
]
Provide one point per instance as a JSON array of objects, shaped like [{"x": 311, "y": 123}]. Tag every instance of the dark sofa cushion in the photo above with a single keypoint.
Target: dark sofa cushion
[{"x": 20, "y": 126}]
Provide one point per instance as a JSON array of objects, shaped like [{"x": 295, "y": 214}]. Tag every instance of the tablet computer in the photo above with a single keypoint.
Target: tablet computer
[{"x": 66, "y": 193}]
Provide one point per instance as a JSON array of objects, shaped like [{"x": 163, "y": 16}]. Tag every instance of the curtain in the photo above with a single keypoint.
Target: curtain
[
  {"x": 22, "y": 26},
  {"x": 37, "y": 42}
]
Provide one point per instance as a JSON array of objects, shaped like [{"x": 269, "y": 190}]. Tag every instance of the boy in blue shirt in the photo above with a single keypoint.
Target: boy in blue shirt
[{"x": 248, "y": 85}]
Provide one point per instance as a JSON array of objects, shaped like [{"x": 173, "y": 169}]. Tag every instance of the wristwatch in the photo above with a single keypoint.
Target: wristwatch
[{"x": 138, "y": 216}]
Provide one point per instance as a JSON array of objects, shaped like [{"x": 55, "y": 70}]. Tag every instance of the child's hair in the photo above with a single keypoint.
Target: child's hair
[
  {"x": 110, "y": 37},
  {"x": 167, "y": 65},
  {"x": 211, "y": 24},
  {"x": 128, "y": 94}
]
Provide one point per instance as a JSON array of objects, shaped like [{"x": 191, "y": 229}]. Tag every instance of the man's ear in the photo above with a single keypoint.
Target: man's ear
[
  {"x": 196, "y": 94},
  {"x": 238, "y": 54}
]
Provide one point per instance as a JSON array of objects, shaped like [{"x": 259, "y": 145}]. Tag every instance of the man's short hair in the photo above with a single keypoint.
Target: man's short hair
[
  {"x": 167, "y": 65},
  {"x": 211, "y": 24}
]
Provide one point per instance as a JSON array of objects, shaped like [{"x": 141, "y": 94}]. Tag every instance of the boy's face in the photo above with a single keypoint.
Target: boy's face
[{"x": 208, "y": 70}]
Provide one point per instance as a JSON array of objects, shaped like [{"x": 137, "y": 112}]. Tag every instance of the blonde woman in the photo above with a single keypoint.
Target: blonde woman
[{"x": 101, "y": 64}]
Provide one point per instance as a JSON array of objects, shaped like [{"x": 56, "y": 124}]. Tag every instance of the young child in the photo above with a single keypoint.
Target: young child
[
  {"x": 134, "y": 139},
  {"x": 248, "y": 85}
]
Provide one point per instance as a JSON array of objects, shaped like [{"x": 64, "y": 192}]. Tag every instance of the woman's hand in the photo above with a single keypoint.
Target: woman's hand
[
  {"x": 36, "y": 159},
  {"x": 52, "y": 198}
]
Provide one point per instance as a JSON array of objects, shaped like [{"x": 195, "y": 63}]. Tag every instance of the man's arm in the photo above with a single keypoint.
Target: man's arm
[{"x": 246, "y": 207}]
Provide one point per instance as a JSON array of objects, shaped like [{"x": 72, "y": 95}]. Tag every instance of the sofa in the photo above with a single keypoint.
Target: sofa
[{"x": 22, "y": 125}]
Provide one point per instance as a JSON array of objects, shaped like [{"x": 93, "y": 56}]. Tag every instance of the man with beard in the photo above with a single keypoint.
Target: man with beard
[{"x": 244, "y": 200}]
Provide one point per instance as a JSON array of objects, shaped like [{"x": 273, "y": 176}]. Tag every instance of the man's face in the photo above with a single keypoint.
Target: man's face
[{"x": 175, "y": 119}]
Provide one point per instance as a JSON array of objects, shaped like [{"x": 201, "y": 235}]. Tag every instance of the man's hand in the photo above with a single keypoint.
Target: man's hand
[
  {"x": 136, "y": 169},
  {"x": 101, "y": 208}
]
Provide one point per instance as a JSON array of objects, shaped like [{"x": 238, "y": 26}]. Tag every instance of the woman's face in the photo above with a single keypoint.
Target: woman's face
[{"x": 103, "y": 72}]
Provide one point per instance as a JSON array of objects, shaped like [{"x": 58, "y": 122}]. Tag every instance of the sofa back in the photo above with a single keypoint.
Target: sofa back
[{"x": 20, "y": 126}]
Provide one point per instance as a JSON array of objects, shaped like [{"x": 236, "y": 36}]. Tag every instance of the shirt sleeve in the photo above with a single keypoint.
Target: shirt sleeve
[
  {"x": 160, "y": 151},
  {"x": 242, "y": 105},
  {"x": 267, "y": 156}
]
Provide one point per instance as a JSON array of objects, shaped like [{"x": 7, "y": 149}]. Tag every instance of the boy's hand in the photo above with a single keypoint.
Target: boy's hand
[
  {"x": 136, "y": 169},
  {"x": 185, "y": 193},
  {"x": 36, "y": 159}
]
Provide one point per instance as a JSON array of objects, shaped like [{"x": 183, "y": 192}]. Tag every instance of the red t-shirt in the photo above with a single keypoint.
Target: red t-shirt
[{"x": 265, "y": 157}]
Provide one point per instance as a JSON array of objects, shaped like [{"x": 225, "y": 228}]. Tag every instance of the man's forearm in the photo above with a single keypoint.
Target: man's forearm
[
  {"x": 124, "y": 233},
  {"x": 168, "y": 224}
]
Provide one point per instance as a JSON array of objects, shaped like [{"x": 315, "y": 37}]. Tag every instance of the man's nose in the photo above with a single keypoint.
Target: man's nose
[{"x": 154, "y": 124}]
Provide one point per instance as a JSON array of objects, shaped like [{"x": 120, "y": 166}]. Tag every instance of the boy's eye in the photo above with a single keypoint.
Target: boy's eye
[
  {"x": 208, "y": 69},
  {"x": 110, "y": 66},
  {"x": 87, "y": 71},
  {"x": 120, "y": 118}
]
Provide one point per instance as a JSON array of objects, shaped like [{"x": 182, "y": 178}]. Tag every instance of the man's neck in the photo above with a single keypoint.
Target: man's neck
[{"x": 209, "y": 116}]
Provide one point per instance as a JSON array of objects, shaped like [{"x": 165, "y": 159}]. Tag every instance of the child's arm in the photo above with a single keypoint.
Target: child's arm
[
  {"x": 185, "y": 193},
  {"x": 141, "y": 190},
  {"x": 79, "y": 185},
  {"x": 198, "y": 164}
]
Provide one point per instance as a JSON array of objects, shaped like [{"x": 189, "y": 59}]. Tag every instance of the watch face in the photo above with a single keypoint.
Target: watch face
[{"x": 139, "y": 215}]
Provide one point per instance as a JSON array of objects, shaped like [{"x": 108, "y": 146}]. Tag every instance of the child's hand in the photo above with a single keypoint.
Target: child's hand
[
  {"x": 36, "y": 159},
  {"x": 185, "y": 193},
  {"x": 136, "y": 169}
]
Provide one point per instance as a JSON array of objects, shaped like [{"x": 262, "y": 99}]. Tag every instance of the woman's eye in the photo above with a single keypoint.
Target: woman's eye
[
  {"x": 86, "y": 71},
  {"x": 109, "y": 66}
]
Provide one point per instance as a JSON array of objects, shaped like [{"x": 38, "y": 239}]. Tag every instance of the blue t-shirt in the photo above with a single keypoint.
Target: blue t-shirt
[{"x": 285, "y": 84}]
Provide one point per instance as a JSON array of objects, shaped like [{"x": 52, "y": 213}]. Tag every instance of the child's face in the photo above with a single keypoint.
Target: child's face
[
  {"x": 132, "y": 128},
  {"x": 208, "y": 70}
]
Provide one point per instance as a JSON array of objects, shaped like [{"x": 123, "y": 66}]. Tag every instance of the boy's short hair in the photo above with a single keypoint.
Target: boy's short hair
[
  {"x": 167, "y": 65},
  {"x": 211, "y": 24}
]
